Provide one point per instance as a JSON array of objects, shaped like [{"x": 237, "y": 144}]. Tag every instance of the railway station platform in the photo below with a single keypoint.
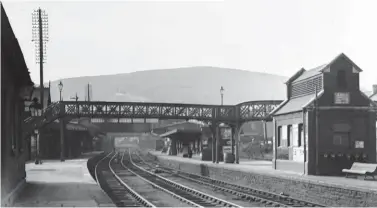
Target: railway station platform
[
  {"x": 333, "y": 191},
  {"x": 61, "y": 184}
]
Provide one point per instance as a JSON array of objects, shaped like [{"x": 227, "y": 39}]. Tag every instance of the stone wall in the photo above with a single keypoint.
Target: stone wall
[{"x": 315, "y": 192}]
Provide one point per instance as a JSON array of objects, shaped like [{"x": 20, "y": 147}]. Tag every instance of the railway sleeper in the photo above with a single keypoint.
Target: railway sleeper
[
  {"x": 239, "y": 194},
  {"x": 243, "y": 188},
  {"x": 189, "y": 190},
  {"x": 265, "y": 201}
]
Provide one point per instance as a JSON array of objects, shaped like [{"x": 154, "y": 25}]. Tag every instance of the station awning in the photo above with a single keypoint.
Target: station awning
[
  {"x": 186, "y": 125},
  {"x": 179, "y": 131},
  {"x": 69, "y": 126}
]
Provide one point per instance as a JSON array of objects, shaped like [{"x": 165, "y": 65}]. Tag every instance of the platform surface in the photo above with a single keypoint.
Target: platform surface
[
  {"x": 57, "y": 184},
  {"x": 265, "y": 167}
]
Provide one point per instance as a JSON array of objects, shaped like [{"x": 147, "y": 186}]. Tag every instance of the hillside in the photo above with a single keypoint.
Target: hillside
[{"x": 183, "y": 85}]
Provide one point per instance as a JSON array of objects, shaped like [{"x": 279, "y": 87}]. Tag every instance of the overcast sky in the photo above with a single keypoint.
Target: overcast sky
[{"x": 274, "y": 36}]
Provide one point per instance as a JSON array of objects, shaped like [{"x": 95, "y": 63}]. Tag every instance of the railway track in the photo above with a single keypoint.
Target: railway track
[
  {"x": 189, "y": 195},
  {"x": 158, "y": 195},
  {"x": 119, "y": 192},
  {"x": 246, "y": 193}
]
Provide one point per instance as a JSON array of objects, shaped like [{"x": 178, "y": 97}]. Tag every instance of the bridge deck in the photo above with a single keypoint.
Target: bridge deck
[{"x": 55, "y": 184}]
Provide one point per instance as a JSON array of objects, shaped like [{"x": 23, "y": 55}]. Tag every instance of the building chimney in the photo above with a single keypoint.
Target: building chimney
[{"x": 375, "y": 89}]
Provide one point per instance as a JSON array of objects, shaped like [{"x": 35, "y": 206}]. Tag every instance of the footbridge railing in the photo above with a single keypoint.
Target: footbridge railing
[{"x": 243, "y": 112}]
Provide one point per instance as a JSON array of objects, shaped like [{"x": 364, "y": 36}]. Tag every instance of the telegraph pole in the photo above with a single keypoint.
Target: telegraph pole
[
  {"x": 88, "y": 93},
  {"x": 40, "y": 38}
]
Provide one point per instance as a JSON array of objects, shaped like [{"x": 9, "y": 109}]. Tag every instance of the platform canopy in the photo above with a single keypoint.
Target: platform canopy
[
  {"x": 93, "y": 129},
  {"x": 181, "y": 126},
  {"x": 72, "y": 126},
  {"x": 177, "y": 132},
  {"x": 186, "y": 131}
]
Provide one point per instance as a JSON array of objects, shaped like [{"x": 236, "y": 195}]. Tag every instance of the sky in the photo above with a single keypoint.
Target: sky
[{"x": 90, "y": 38}]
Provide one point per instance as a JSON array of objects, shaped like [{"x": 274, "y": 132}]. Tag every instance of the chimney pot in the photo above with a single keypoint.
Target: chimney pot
[{"x": 375, "y": 89}]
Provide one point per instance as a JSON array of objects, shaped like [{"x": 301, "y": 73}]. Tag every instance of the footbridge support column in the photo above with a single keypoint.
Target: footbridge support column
[
  {"x": 215, "y": 142},
  {"x": 237, "y": 139},
  {"x": 213, "y": 146},
  {"x": 173, "y": 146},
  {"x": 265, "y": 131},
  {"x": 62, "y": 140},
  {"x": 217, "y": 129}
]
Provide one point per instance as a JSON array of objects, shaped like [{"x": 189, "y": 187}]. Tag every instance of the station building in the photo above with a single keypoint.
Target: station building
[
  {"x": 16, "y": 86},
  {"x": 373, "y": 97},
  {"x": 326, "y": 123}
]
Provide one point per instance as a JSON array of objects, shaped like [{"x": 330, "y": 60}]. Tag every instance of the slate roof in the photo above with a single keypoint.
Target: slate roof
[
  {"x": 186, "y": 126},
  {"x": 185, "y": 131},
  {"x": 69, "y": 126},
  {"x": 310, "y": 73},
  {"x": 298, "y": 103},
  {"x": 295, "y": 104},
  {"x": 180, "y": 125},
  {"x": 11, "y": 53},
  {"x": 304, "y": 74}
]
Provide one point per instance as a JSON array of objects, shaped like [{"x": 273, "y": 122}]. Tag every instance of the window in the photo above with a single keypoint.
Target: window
[
  {"x": 294, "y": 135},
  {"x": 341, "y": 139},
  {"x": 279, "y": 136},
  {"x": 300, "y": 135},
  {"x": 289, "y": 135},
  {"x": 341, "y": 132},
  {"x": 284, "y": 135},
  {"x": 341, "y": 79}
]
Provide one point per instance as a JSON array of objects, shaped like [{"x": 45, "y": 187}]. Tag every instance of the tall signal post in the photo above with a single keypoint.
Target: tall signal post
[{"x": 40, "y": 39}]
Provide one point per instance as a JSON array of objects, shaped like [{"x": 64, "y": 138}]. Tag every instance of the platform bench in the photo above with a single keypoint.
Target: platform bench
[{"x": 366, "y": 169}]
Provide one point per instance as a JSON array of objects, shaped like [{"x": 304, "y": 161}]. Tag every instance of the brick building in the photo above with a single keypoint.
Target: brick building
[
  {"x": 16, "y": 86},
  {"x": 373, "y": 97},
  {"x": 324, "y": 133}
]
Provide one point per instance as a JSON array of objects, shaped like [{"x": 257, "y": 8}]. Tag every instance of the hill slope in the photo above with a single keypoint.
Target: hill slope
[{"x": 183, "y": 85}]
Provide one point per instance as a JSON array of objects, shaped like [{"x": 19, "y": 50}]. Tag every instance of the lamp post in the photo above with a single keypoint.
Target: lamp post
[
  {"x": 60, "y": 85},
  {"x": 36, "y": 110},
  {"x": 222, "y": 94}
]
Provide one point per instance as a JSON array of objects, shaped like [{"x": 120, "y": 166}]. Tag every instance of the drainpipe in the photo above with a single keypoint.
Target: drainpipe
[{"x": 304, "y": 112}]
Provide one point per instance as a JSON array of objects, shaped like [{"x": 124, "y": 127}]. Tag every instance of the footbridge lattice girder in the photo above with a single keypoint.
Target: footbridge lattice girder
[
  {"x": 254, "y": 110},
  {"x": 243, "y": 112}
]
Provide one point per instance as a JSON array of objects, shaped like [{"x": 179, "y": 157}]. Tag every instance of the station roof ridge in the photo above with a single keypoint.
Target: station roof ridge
[{"x": 304, "y": 74}]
